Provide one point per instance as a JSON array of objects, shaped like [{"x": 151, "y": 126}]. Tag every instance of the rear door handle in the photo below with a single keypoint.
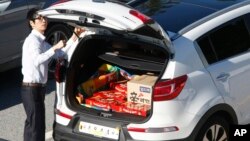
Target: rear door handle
[{"x": 222, "y": 77}]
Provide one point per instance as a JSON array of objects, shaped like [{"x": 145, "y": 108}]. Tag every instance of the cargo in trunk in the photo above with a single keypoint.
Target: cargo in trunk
[{"x": 103, "y": 69}]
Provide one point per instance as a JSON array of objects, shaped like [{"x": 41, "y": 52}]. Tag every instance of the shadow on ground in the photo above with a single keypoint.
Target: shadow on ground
[{"x": 10, "y": 84}]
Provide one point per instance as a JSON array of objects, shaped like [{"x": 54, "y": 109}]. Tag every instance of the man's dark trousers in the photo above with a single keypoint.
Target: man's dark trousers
[{"x": 33, "y": 102}]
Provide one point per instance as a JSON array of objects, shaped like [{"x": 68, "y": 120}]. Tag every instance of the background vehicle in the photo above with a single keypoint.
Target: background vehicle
[
  {"x": 202, "y": 72},
  {"x": 14, "y": 29}
]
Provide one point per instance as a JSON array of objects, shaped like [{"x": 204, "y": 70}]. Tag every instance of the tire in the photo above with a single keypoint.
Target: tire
[
  {"x": 215, "y": 129},
  {"x": 54, "y": 34}
]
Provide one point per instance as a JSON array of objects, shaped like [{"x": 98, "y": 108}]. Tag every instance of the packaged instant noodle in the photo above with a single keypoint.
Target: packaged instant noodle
[
  {"x": 120, "y": 86},
  {"x": 102, "y": 78}
]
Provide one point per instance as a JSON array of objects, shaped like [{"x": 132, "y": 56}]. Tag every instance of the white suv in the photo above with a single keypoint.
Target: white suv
[{"x": 200, "y": 64}]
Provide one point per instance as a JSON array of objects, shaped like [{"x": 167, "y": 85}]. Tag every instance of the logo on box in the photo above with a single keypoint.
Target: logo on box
[{"x": 144, "y": 89}]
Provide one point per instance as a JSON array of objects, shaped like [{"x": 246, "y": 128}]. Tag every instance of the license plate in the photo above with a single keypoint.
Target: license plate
[{"x": 98, "y": 130}]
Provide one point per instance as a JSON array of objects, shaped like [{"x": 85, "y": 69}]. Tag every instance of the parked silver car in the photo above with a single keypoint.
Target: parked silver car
[{"x": 14, "y": 29}]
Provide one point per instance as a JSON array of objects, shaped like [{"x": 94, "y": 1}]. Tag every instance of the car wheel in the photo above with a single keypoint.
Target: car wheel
[
  {"x": 215, "y": 129},
  {"x": 54, "y": 34}
]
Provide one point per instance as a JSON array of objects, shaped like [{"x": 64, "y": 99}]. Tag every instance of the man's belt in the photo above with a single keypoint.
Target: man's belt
[{"x": 33, "y": 84}]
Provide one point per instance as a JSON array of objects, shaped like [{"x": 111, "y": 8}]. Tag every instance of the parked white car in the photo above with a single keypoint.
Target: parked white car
[{"x": 201, "y": 62}]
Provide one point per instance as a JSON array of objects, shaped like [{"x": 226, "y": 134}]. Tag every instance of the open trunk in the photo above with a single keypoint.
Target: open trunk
[
  {"x": 112, "y": 72},
  {"x": 132, "y": 56}
]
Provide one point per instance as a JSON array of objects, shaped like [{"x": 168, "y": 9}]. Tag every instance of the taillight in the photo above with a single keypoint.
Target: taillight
[
  {"x": 60, "y": 70},
  {"x": 142, "y": 17},
  {"x": 57, "y": 72},
  {"x": 58, "y": 112},
  {"x": 59, "y": 1},
  {"x": 169, "y": 89},
  {"x": 153, "y": 130}
]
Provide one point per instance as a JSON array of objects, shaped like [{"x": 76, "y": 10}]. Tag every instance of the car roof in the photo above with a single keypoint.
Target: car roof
[{"x": 174, "y": 15}]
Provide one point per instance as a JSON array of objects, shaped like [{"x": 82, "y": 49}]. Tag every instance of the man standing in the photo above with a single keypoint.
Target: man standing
[{"x": 36, "y": 54}]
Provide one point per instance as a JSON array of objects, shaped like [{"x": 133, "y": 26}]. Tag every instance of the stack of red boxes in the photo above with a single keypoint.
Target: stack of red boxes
[
  {"x": 116, "y": 100},
  {"x": 105, "y": 99},
  {"x": 126, "y": 94}
]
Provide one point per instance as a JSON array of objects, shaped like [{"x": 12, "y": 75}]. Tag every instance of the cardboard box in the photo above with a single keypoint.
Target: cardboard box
[{"x": 139, "y": 89}]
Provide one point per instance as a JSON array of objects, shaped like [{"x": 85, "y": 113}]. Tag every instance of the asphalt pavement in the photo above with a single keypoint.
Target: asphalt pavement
[{"x": 12, "y": 115}]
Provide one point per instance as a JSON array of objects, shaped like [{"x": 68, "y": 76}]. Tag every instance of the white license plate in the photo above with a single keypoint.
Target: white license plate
[{"x": 98, "y": 130}]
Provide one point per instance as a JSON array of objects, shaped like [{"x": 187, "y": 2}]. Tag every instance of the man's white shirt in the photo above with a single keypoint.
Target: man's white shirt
[{"x": 36, "y": 55}]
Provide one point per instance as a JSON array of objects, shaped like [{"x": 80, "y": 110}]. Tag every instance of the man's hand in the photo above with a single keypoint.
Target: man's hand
[
  {"x": 77, "y": 32},
  {"x": 59, "y": 45}
]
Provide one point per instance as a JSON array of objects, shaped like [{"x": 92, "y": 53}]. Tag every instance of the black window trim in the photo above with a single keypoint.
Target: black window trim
[
  {"x": 246, "y": 18},
  {"x": 212, "y": 16},
  {"x": 207, "y": 35}
]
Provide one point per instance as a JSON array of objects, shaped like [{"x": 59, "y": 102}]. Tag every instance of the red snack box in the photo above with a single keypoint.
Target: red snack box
[
  {"x": 135, "y": 108},
  {"x": 120, "y": 86},
  {"x": 100, "y": 102},
  {"x": 118, "y": 96},
  {"x": 132, "y": 108},
  {"x": 117, "y": 106}
]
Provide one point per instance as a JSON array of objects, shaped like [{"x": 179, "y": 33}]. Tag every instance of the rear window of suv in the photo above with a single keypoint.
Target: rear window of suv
[
  {"x": 226, "y": 41},
  {"x": 173, "y": 15}
]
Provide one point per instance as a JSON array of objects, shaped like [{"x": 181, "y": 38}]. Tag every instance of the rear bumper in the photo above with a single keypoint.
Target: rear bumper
[{"x": 65, "y": 133}]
